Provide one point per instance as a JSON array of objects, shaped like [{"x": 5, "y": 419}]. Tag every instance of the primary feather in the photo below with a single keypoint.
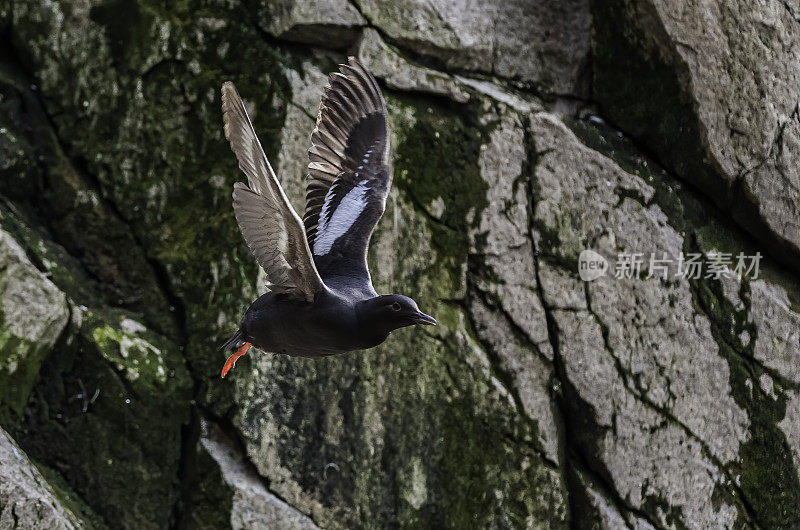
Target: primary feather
[
  {"x": 349, "y": 174},
  {"x": 270, "y": 226}
]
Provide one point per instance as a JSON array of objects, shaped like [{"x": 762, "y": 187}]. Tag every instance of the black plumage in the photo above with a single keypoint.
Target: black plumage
[{"x": 321, "y": 300}]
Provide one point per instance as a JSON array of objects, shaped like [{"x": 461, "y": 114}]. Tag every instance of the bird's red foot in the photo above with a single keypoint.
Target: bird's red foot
[{"x": 233, "y": 358}]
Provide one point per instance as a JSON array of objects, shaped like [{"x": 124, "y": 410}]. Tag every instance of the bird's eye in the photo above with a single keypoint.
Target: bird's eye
[{"x": 396, "y": 306}]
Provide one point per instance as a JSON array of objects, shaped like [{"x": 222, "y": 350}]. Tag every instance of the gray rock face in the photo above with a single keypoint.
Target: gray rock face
[
  {"x": 626, "y": 355},
  {"x": 541, "y": 400},
  {"x": 253, "y": 505},
  {"x": 33, "y": 313},
  {"x": 777, "y": 329},
  {"x": 687, "y": 367},
  {"x": 399, "y": 74},
  {"x": 27, "y": 501},
  {"x": 773, "y": 186},
  {"x": 544, "y": 43},
  {"x": 728, "y": 77},
  {"x": 502, "y": 237},
  {"x": 330, "y": 23}
]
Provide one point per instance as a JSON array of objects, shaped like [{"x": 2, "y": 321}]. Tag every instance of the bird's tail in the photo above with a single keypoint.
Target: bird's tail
[{"x": 232, "y": 342}]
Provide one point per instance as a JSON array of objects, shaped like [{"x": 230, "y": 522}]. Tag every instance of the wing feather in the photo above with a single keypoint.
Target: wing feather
[
  {"x": 269, "y": 224},
  {"x": 349, "y": 174}
]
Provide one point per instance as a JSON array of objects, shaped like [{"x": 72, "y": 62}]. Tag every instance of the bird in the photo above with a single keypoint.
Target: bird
[{"x": 321, "y": 300}]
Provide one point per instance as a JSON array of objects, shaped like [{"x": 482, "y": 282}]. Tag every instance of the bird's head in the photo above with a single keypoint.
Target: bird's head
[{"x": 392, "y": 311}]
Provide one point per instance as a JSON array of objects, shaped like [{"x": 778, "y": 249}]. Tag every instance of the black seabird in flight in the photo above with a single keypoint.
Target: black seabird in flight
[{"x": 321, "y": 300}]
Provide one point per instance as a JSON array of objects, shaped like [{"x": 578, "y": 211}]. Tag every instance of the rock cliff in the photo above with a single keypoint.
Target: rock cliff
[{"x": 522, "y": 133}]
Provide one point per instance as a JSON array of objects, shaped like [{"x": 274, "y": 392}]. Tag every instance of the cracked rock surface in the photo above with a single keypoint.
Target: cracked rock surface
[
  {"x": 731, "y": 74},
  {"x": 522, "y": 134},
  {"x": 28, "y": 501}
]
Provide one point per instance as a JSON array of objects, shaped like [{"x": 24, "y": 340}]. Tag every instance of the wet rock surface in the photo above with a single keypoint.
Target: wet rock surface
[{"x": 540, "y": 401}]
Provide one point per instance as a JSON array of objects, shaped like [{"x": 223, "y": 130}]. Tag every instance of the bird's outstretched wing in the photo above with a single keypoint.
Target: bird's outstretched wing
[
  {"x": 349, "y": 172},
  {"x": 268, "y": 222}
]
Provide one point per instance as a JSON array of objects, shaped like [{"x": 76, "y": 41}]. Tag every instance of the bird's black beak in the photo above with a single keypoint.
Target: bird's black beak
[{"x": 427, "y": 320}]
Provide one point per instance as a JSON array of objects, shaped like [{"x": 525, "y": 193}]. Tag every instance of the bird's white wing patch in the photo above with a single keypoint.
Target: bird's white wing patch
[{"x": 333, "y": 226}]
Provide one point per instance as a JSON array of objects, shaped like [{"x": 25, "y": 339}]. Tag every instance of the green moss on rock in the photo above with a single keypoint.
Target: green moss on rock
[
  {"x": 465, "y": 458},
  {"x": 335, "y": 437},
  {"x": 129, "y": 143},
  {"x": 109, "y": 416},
  {"x": 70, "y": 500},
  {"x": 765, "y": 469},
  {"x": 33, "y": 312},
  {"x": 19, "y": 367},
  {"x": 144, "y": 119},
  {"x": 436, "y": 161}
]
